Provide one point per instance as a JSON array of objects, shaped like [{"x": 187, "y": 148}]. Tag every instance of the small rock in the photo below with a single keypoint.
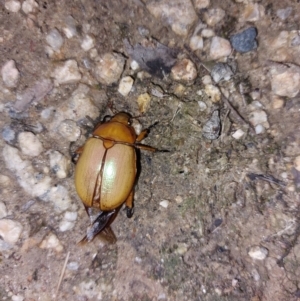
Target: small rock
[
  {"x": 47, "y": 113},
  {"x": 13, "y": 6},
  {"x": 196, "y": 42},
  {"x": 179, "y": 14},
  {"x": 221, "y": 71},
  {"x": 202, "y": 105},
  {"x": 181, "y": 249},
  {"x": 219, "y": 48},
  {"x": 285, "y": 82},
  {"x": 244, "y": 41},
  {"x": 206, "y": 80},
  {"x": 238, "y": 134},
  {"x": 185, "y": 71},
  {"x": 17, "y": 298},
  {"x": 67, "y": 73},
  {"x": 259, "y": 129},
  {"x": 134, "y": 65},
  {"x": 54, "y": 39},
  {"x": 297, "y": 163},
  {"x": 213, "y": 92},
  {"x": 258, "y": 117},
  {"x": 109, "y": 68},
  {"x": 68, "y": 222},
  {"x": 179, "y": 199},
  {"x": 69, "y": 130},
  {"x": 29, "y": 6},
  {"x": 257, "y": 252},
  {"x": 10, "y": 74},
  {"x": 51, "y": 242},
  {"x": 199, "y": 4},
  {"x": 164, "y": 203},
  {"x": 59, "y": 164},
  {"x": 73, "y": 266},
  {"x": 69, "y": 28},
  {"x": 87, "y": 43},
  {"x": 10, "y": 230},
  {"x": 207, "y": 33},
  {"x": 211, "y": 129},
  {"x": 30, "y": 144},
  {"x": 125, "y": 85},
  {"x": 214, "y": 16},
  {"x": 3, "y": 210},
  {"x": 284, "y": 13},
  {"x": 4, "y": 180},
  {"x": 253, "y": 12},
  {"x": 8, "y": 134},
  {"x": 143, "y": 101}
]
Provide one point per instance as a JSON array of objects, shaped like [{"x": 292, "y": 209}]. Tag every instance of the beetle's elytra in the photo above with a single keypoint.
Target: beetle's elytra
[{"x": 106, "y": 170}]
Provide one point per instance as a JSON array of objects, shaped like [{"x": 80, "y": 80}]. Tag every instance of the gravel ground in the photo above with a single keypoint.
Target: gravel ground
[{"x": 216, "y": 217}]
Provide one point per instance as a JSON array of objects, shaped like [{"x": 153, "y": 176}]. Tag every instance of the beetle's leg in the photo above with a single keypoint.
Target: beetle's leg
[
  {"x": 129, "y": 205},
  {"x": 77, "y": 154},
  {"x": 146, "y": 147},
  {"x": 145, "y": 132}
]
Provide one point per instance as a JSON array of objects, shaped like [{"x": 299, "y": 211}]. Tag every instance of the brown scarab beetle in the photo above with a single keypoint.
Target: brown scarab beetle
[{"x": 106, "y": 170}]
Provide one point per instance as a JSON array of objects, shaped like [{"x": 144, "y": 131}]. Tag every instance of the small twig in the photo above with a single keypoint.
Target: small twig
[
  {"x": 235, "y": 112},
  {"x": 223, "y": 125},
  {"x": 61, "y": 276}
]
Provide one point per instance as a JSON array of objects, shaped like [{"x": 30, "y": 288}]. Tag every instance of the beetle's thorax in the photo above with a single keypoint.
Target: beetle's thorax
[{"x": 115, "y": 131}]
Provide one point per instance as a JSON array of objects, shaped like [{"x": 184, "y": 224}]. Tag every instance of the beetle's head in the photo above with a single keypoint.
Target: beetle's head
[{"x": 122, "y": 117}]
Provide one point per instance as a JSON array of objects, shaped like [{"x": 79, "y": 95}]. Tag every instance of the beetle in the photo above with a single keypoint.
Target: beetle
[{"x": 106, "y": 170}]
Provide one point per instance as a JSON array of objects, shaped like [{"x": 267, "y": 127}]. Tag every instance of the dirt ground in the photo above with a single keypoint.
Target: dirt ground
[{"x": 226, "y": 199}]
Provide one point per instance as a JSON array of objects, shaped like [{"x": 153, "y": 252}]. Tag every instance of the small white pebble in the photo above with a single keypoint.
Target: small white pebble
[
  {"x": 206, "y": 80},
  {"x": 17, "y": 298},
  {"x": 69, "y": 27},
  {"x": 4, "y": 180},
  {"x": 87, "y": 43},
  {"x": 213, "y": 92},
  {"x": 179, "y": 199},
  {"x": 257, "y": 252},
  {"x": 219, "y": 48},
  {"x": 238, "y": 134},
  {"x": 109, "y": 68},
  {"x": 196, "y": 42},
  {"x": 47, "y": 113},
  {"x": 164, "y": 203},
  {"x": 70, "y": 216},
  {"x": 134, "y": 65},
  {"x": 125, "y": 85},
  {"x": 73, "y": 266},
  {"x": 29, "y": 6},
  {"x": 10, "y": 230},
  {"x": 10, "y": 74},
  {"x": 138, "y": 259},
  {"x": 207, "y": 33},
  {"x": 258, "y": 117},
  {"x": 13, "y": 6},
  {"x": 51, "y": 242},
  {"x": 30, "y": 144},
  {"x": 67, "y": 73},
  {"x": 3, "y": 210},
  {"x": 66, "y": 226},
  {"x": 55, "y": 39},
  {"x": 202, "y": 105},
  {"x": 259, "y": 129}
]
